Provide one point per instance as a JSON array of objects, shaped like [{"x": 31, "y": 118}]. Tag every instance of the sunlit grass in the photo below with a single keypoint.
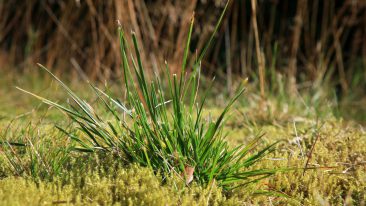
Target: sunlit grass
[
  {"x": 163, "y": 129},
  {"x": 164, "y": 143}
]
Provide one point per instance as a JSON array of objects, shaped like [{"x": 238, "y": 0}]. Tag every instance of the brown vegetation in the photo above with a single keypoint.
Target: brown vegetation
[{"x": 302, "y": 38}]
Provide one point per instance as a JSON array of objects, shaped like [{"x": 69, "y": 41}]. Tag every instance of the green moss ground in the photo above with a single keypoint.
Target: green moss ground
[{"x": 337, "y": 145}]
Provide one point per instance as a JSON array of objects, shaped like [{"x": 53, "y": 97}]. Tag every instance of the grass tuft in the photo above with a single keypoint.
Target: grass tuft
[{"x": 163, "y": 129}]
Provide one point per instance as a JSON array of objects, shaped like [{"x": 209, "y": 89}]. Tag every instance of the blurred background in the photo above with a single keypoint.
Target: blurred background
[{"x": 303, "y": 43}]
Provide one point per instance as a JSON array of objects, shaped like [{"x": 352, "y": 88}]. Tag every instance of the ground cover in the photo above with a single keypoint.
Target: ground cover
[{"x": 335, "y": 145}]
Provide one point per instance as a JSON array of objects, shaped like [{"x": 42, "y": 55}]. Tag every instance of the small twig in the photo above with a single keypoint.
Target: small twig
[{"x": 310, "y": 153}]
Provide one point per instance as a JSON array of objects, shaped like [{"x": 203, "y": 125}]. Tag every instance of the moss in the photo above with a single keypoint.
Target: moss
[
  {"x": 101, "y": 180},
  {"x": 83, "y": 179},
  {"x": 131, "y": 186},
  {"x": 19, "y": 191}
]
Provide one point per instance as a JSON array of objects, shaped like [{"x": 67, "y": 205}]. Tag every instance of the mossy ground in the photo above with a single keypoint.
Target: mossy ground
[{"x": 336, "y": 174}]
